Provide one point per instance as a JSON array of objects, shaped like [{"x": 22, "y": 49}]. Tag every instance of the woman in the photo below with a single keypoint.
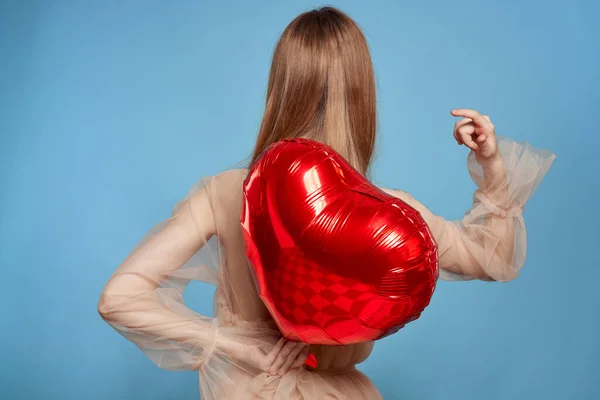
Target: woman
[{"x": 321, "y": 86}]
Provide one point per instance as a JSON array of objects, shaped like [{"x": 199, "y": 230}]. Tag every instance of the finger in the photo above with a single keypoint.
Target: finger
[
  {"x": 481, "y": 138},
  {"x": 491, "y": 128},
  {"x": 291, "y": 358},
  {"x": 469, "y": 142},
  {"x": 467, "y": 113},
  {"x": 457, "y": 137},
  {"x": 467, "y": 128},
  {"x": 462, "y": 122},
  {"x": 457, "y": 125},
  {"x": 301, "y": 358},
  {"x": 281, "y": 357},
  {"x": 272, "y": 356}
]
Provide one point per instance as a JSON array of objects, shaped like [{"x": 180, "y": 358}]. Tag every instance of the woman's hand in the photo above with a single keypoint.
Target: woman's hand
[
  {"x": 286, "y": 355},
  {"x": 477, "y": 132},
  {"x": 268, "y": 354}
]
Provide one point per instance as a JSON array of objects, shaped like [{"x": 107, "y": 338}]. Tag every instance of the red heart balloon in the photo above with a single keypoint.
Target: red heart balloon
[{"x": 336, "y": 260}]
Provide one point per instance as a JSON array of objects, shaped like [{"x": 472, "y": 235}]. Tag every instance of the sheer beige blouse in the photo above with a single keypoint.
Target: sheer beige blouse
[{"x": 202, "y": 241}]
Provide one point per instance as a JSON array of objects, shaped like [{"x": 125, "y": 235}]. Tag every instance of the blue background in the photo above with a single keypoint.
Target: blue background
[{"x": 110, "y": 110}]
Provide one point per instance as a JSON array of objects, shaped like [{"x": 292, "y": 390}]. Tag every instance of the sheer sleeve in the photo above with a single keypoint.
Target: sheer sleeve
[
  {"x": 489, "y": 243},
  {"x": 143, "y": 300}
]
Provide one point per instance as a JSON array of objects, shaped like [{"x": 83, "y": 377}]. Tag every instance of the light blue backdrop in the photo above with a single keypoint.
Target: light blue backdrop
[{"x": 110, "y": 110}]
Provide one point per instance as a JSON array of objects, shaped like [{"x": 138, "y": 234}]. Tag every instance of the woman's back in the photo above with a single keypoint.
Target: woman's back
[
  {"x": 238, "y": 305},
  {"x": 238, "y": 297}
]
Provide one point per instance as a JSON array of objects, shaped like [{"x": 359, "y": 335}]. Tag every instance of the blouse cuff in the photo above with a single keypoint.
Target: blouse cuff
[
  {"x": 494, "y": 228},
  {"x": 524, "y": 169}
]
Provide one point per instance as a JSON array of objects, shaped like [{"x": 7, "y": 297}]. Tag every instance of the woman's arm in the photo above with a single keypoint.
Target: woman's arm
[
  {"x": 139, "y": 302},
  {"x": 470, "y": 251},
  {"x": 489, "y": 243},
  {"x": 143, "y": 300}
]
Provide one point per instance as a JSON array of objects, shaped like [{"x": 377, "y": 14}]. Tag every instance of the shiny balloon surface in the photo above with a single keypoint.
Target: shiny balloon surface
[{"x": 336, "y": 260}]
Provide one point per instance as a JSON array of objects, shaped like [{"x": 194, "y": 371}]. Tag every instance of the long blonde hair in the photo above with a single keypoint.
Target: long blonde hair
[{"x": 322, "y": 86}]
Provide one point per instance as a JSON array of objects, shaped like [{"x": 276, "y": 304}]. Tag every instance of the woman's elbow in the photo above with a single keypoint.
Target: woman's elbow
[
  {"x": 506, "y": 274},
  {"x": 109, "y": 302},
  {"x": 114, "y": 297},
  {"x": 511, "y": 275},
  {"x": 104, "y": 306}
]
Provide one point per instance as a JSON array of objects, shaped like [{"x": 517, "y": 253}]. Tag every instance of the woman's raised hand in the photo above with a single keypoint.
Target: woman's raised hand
[{"x": 477, "y": 132}]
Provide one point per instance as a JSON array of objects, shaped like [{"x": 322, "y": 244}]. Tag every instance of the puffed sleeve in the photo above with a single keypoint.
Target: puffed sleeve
[
  {"x": 143, "y": 300},
  {"x": 489, "y": 243}
]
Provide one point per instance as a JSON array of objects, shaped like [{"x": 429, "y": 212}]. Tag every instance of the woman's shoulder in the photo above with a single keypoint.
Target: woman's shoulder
[
  {"x": 225, "y": 189},
  {"x": 401, "y": 194},
  {"x": 229, "y": 178}
]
